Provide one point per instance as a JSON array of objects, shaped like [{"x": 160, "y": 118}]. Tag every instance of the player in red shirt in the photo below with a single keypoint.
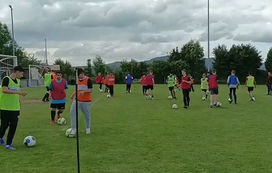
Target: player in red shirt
[
  {"x": 186, "y": 87},
  {"x": 143, "y": 83},
  {"x": 149, "y": 81},
  {"x": 213, "y": 86},
  {"x": 105, "y": 81},
  {"x": 111, "y": 83},
  {"x": 99, "y": 80}
]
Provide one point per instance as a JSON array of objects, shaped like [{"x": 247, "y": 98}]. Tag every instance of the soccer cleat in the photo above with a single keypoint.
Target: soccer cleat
[
  {"x": 88, "y": 131},
  {"x": 2, "y": 141},
  {"x": 10, "y": 147},
  {"x": 253, "y": 99},
  {"x": 59, "y": 116},
  {"x": 52, "y": 121}
]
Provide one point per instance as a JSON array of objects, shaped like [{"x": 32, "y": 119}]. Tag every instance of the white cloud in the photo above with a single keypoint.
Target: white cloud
[{"x": 117, "y": 29}]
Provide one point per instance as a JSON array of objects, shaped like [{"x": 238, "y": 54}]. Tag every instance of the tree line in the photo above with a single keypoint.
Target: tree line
[{"x": 243, "y": 58}]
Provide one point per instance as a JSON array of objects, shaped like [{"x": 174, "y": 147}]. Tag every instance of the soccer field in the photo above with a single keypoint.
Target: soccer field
[{"x": 132, "y": 134}]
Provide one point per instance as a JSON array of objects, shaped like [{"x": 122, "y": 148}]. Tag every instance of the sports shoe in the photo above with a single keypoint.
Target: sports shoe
[
  {"x": 52, "y": 122},
  {"x": 253, "y": 99},
  {"x": 2, "y": 141},
  {"x": 88, "y": 131},
  {"x": 10, "y": 147},
  {"x": 59, "y": 116}
]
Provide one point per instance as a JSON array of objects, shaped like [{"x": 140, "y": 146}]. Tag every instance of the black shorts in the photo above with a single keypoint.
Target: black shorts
[
  {"x": 58, "y": 106},
  {"x": 149, "y": 87},
  {"x": 204, "y": 90},
  {"x": 250, "y": 89},
  {"x": 214, "y": 91},
  {"x": 171, "y": 88}
]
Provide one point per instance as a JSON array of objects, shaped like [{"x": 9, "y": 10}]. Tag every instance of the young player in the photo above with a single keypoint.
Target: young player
[
  {"x": 233, "y": 83},
  {"x": 111, "y": 83},
  {"x": 250, "y": 83},
  {"x": 143, "y": 83},
  {"x": 105, "y": 82},
  {"x": 149, "y": 79},
  {"x": 84, "y": 101},
  {"x": 213, "y": 86},
  {"x": 186, "y": 86},
  {"x": 99, "y": 81},
  {"x": 57, "y": 90},
  {"x": 129, "y": 80},
  {"x": 204, "y": 86},
  {"x": 269, "y": 83},
  {"x": 171, "y": 82},
  {"x": 10, "y": 105},
  {"x": 47, "y": 81}
]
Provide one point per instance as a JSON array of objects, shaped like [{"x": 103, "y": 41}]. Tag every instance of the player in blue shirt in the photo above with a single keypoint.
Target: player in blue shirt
[
  {"x": 233, "y": 83},
  {"x": 129, "y": 80}
]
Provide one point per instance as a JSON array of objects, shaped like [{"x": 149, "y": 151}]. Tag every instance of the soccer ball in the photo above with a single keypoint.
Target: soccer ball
[
  {"x": 170, "y": 97},
  {"x": 174, "y": 106},
  {"x": 218, "y": 104},
  {"x": 203, "y": 98},
  {"x": 61, "y": 121},
  {"x": 108, "y": 96},
  {"x": 30, "y": 141},
  {"x": 70, "y": 133}
]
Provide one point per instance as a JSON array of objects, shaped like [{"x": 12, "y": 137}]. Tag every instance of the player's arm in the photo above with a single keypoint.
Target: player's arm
[
  {"x": 255, "y": 83},
  {"x": 5, "y": 89}
]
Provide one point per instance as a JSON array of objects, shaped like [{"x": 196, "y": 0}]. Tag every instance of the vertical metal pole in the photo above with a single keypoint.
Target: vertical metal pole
[
  {"x": 12, "y": 30},
  {"x": 45, "y": 52},
  {"x": 77, "y": 137},
  {"x": 208, "y": 28}
]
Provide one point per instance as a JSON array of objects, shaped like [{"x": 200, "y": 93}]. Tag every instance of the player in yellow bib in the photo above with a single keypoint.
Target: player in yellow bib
[
  {"x": 47, "y": 81},
  {"x": 204, "y": 87},
  {"x": 251, "y": 83},
  {"x": 10, "y": 105}
]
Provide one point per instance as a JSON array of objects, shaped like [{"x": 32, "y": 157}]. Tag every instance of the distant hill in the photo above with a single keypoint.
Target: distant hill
[{"x": 208, "y": 63}]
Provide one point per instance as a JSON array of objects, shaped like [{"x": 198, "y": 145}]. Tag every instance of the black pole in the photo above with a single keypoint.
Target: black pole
[
  {"x": 77, "y": 136},
  {"x": 208, "y": 28}
]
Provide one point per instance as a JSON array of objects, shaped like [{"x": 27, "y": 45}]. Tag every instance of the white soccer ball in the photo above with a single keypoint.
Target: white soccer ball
[
  {"x": 203, "y": 98},
  {"x": 170, "y": 97},
  {"x": 108, "y": 96},
  {"x": 218, "y": 104},
  {"x": 174, "y": 106},
  {"x": 30, "y": 141},
  {"x": 61, "y": 121},
  {"x": 70, "y": 133}
]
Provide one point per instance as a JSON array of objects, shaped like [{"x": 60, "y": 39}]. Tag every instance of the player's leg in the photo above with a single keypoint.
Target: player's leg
[
  {"x": 86, "y": 109},
  {"x": 73, "y": 116},
  {"x": 14, "y": 117},
  {"x": 4, "y": 126},
  {"x": 230, "y": 95},
  {"x": 234, "y": 95},
  {"x": 53, "y": 112}
]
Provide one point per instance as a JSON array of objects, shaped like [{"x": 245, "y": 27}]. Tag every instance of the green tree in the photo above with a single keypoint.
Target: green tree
[
  {"x": 160, "y": 70},
  {"x": 222, "y": 62},
  {"x": 268, "y": 62},
  {"x": 193, "y": 55},
  {"x": 65, "y": 68},
  {"x": 99, "y": 65}
]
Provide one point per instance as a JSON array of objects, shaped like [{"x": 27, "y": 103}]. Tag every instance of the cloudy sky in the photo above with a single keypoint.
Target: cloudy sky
[{"x": 140, "y": 29}]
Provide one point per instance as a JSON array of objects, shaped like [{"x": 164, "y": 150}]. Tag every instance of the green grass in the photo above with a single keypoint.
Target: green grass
[{"x": 132, "y": 134}]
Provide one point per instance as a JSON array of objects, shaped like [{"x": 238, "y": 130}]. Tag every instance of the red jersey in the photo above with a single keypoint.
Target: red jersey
[
  {"x": 213, "y": 84},
  {"x": 111, "y": 80},
  {"x": 58, "y": 90},
  {"x": 143, "y": 81},
  {"x": 184, "y": 84},
  {"x": 99, "y": 79},
  {"x": 149, "y": 79}
]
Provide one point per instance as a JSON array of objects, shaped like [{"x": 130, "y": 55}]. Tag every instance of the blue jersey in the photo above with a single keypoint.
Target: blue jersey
[
  {"x": 233, "y": 81},
  {"x": 129, "y": 79}
]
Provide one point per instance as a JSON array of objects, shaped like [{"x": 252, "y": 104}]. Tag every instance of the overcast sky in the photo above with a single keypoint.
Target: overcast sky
[{"x": 140, "y": 29}]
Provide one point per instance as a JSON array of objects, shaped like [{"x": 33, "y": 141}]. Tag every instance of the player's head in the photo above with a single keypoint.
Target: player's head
[
  {"x": 203, "y": 75},
  {"x": 249, "y": 73},
  {"x": 80, "y": 73},
  {"x": 233, "y": 72},
  {"x": 18, "y": 71},
  {"x": 58, "y": 75},
  {"x": 269, "y": 73},
  {"x": 151, "y": 72},
  {"x": 183, "y": 72},
  {"x": 214, "y": 72},
  {"x": 99, "y": 73}
]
